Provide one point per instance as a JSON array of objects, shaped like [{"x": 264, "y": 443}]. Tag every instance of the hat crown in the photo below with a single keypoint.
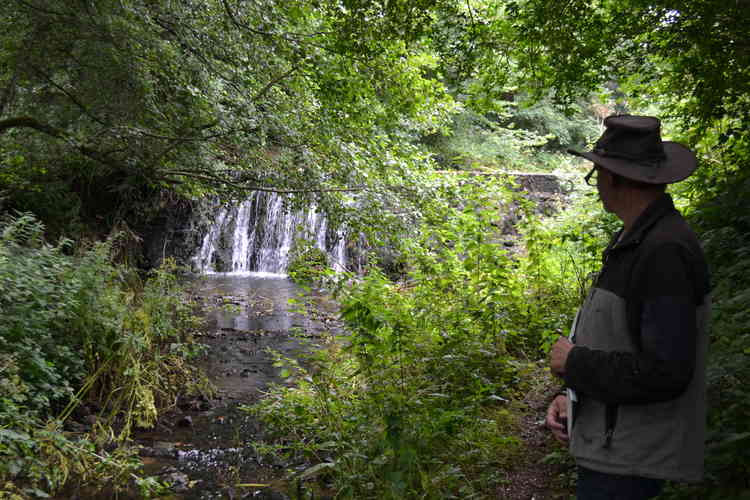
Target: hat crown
[
  {"x": 631, "y": 147},
  {"x": 634, "y": 138}
]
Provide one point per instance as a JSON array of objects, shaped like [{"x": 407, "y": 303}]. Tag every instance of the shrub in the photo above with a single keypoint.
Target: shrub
[
  {"x": 37, "y": 302},
  {"x": 76, "y": 327},
  {"x": 308, "y": 264}
]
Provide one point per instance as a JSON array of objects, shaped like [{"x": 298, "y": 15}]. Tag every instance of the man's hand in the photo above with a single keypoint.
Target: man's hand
[
  {"x": 558, "y": 355},
  {"x": 556, "y": 420}
]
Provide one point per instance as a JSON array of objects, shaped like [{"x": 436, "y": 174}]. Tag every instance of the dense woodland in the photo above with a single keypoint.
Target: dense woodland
[{"x": 114, "y": 112}]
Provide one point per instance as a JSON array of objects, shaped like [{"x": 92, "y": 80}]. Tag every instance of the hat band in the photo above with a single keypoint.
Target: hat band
[{"x": 653, "y": 161}]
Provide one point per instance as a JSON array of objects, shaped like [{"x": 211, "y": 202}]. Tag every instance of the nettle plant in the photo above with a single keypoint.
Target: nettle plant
[{"x": 36, "y": 299}]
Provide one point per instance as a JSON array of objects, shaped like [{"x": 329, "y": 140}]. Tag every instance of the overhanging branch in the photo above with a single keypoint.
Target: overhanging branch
[
  {"x": 223, "y": 182},
  {"x": 29, "y": 122}
]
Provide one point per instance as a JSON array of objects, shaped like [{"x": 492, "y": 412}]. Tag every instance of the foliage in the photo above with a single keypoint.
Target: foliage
[
  {"x": 421, "y": 399},
  {"x": 478, "y": 143},
  {"x": 563, "y": 251},
  {"x": 308, "y": 264},
  {"x": 722, "y": 220},
  {"x": 574, "y": 128},
  {"x": 39, "y": 458},
  {"x": 77, "y": 329},
  {"x": 37, "y": 299},
  {"x": 656, "y": 45},
  {"x": 105, "y": 108}
]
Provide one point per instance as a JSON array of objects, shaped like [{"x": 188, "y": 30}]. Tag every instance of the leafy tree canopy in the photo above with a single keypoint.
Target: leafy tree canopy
[
  {"x": 107, "y": 105},
  {"x": 230, "y": 95}
]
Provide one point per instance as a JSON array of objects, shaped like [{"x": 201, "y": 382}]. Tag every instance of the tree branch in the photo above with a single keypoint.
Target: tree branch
[
  {"x": 28, "y": 122},
  {"x": 225, "y": 182},
  {"x": 193, "y": 50},
  {"x": 289, "y": 36},
  {"x": 180, "y": 139},
  {"x": 273, "y": 82},
  {"x": 68, "y": 95},
  {"x": 471, "y": 14},
  {"x": 44, "y": 11}
]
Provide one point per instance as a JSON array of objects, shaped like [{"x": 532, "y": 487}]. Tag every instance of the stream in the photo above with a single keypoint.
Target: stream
[{"x": 204, "y": 448}]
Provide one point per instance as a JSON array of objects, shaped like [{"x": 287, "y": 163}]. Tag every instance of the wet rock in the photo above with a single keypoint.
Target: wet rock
[
  {"x": 179, "y": 482},
  {"x": 266, "y": 494},
  {"x": 164, "y": 445},
  {"x": 146, "y": 451},
  {"x": 159, "y": 450},
  {"x": 200, "y": 403}
]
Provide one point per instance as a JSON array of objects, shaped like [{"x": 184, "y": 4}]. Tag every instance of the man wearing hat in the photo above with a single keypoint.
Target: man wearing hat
[{"x": 634, "y": 407}]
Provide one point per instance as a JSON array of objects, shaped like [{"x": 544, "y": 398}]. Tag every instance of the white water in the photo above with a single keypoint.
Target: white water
[{"x": 257, "y": 235}]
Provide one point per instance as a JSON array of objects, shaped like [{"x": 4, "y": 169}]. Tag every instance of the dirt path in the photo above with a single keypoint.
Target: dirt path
[{"x": 544, "y": 469}]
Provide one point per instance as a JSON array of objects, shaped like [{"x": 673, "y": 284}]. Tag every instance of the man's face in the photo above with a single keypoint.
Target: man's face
[{"x": 605, "y": 187}]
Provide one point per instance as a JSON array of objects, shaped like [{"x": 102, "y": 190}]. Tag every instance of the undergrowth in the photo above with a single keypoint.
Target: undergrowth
[
  {"x": 76, "y": 329},
  {"x": 308, "y": 264},
  {"x": 420, "y": 399},
  {"x": 720, "y": 216}
]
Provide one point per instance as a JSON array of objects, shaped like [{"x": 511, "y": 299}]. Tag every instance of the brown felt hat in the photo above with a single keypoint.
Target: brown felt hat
[{"x": 631, "y": 146}]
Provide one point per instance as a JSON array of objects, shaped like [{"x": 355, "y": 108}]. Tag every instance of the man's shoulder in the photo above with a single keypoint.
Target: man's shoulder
[
  {"x": 670, "y": 245},
  {"x": 672, "y": 230}
]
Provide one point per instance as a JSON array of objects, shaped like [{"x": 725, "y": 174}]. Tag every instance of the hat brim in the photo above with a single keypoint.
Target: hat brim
[{"x": 680, "y": 162}]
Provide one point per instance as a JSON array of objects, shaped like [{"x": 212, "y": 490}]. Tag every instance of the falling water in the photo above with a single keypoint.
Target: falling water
[{"x": 258, "y": 234}]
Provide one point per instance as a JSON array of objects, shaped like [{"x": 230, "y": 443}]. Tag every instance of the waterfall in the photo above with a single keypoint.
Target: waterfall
[{"x": 258, "y": 234}]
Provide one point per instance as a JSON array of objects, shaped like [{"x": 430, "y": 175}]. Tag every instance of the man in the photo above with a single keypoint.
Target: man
[{"x": 636, "y": 366}]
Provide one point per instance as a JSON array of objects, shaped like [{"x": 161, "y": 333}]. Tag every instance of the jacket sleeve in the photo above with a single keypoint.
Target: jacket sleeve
[{"x": 664, "y": 365}]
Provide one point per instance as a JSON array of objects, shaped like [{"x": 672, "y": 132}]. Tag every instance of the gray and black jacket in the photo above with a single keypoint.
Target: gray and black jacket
[{"x": 638, "y": 366}]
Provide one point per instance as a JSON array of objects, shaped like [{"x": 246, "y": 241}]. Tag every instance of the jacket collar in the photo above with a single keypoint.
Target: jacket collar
[{"x": 643, "y": 224}]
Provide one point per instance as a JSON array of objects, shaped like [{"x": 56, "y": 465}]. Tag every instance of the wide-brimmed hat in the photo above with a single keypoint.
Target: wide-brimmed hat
[{"x": 631, "y": 146}]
